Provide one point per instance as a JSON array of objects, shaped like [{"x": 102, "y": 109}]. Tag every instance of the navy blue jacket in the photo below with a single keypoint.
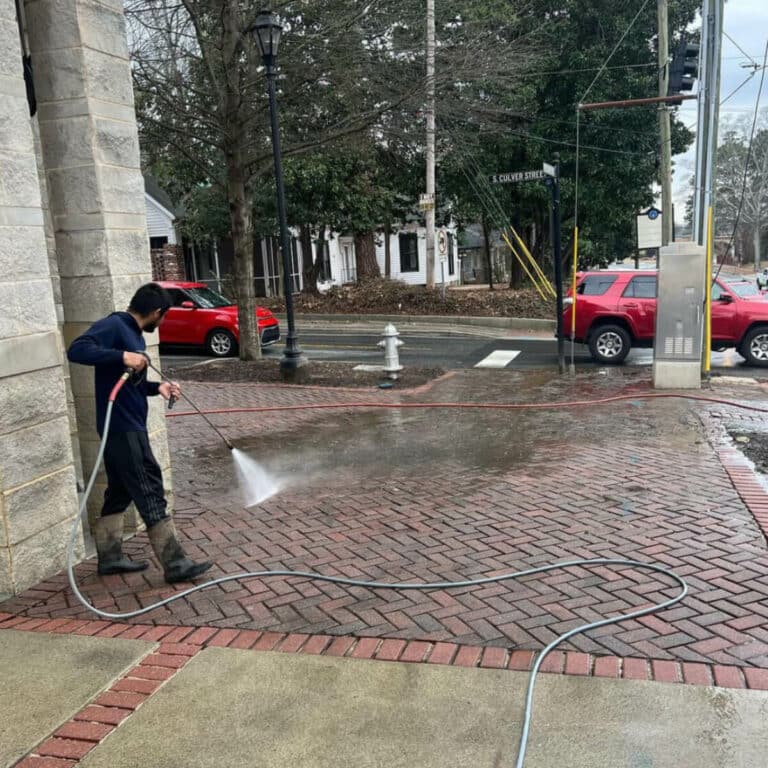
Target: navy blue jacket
[{"x": 102, "y": 346}]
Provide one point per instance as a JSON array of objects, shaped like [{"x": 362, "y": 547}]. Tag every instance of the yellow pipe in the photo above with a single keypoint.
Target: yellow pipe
[
  {"x": 522, "y": 264},
  {"x": 536, "y": 267},
  {"x": 708, "y": 298},
  {"x": 573, "y": 282},
  {"x": 545, "y": 281}
]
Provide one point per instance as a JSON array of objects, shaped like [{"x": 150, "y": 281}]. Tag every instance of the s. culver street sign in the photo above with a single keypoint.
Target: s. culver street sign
[{"x": 510, "y": 178}]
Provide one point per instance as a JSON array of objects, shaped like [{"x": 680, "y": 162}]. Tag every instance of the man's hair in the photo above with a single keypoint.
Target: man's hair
[{"x": 149, "y": 298}]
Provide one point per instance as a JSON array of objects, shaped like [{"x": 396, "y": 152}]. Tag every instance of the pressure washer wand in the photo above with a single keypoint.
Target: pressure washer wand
[{"x": 199, "y": 412}]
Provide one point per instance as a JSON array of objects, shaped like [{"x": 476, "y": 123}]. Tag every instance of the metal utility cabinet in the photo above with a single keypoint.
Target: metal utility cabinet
[{"x": 679, "y": 317}]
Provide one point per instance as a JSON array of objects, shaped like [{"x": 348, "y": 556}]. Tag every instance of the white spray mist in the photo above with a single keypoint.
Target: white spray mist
[{"x": 255, "y": 482}]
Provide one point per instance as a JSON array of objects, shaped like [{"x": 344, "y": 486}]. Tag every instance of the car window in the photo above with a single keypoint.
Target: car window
[
  {"x": 595, "y": 285},
  {"x": 717, "y": 291},
  {"x": 641, "y": 288},
  {"x": 745, "y": 290},
  {"x": 176, "y": 296},
  {"x": 208, "y": 298}
]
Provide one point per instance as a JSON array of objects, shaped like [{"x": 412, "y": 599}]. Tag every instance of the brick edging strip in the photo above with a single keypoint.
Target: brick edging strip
[
  {"x": 177, "y": 645},
  {"x": 753, "y": 494}
]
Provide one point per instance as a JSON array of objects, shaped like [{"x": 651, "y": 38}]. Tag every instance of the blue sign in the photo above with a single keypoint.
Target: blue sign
[{"x": 654, "y": 213}]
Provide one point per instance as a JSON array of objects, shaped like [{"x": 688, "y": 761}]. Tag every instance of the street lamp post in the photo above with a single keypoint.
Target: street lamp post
[{"x": 266, "y": 31}]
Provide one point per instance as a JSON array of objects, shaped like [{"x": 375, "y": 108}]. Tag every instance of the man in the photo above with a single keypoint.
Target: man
[{"x": 133, "y": 475}]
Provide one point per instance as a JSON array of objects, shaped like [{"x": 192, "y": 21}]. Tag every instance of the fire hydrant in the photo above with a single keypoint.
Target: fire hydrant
[{"x": 390, "y": 342}]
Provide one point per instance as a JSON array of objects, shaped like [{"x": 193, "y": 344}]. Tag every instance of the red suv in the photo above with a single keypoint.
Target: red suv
[
  {"x": 616, "y": 310},
  {"x": 201, "y": 317}
]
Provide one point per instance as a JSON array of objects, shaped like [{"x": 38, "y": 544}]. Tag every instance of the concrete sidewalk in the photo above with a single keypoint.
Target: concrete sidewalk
[
  {"x": 244, "y": 708},
  {"x": 48, "y": 678}
]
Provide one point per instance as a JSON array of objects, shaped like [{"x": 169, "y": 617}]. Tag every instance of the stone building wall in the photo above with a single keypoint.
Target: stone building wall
[
  {"x": 73, "y": 248},
  {"x": 90, "y": 153},
  {"x": 38, "y": 495}
]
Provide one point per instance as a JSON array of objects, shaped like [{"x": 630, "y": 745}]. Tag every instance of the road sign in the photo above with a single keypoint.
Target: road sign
[
  {"x": 442, "y": 243},
  {"x": 510, "y": 178},
  {"x": 426, "y": 202},
  {"x": 649, "y": 229},
  {"x": 549, "y": 170}
]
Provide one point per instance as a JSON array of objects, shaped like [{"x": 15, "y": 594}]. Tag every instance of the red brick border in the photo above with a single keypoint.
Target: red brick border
[
  {"x": 753, "y": 494},
  {"x": 177, "y": 645},
  {"x": 169, "y": 656},
  {"x": 89, "y": 727}
]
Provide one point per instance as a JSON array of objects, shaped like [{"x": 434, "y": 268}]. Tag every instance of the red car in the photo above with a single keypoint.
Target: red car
[
  {"x": 616, "y": 310},
  {"x": 201, "y": 317}
]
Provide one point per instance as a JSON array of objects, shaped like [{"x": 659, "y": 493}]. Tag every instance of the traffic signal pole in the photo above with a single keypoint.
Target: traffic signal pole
[{"x": 665, "y": 131}]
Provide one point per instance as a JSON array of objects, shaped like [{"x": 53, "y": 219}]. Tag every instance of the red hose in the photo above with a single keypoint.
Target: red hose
[
  {"x": 490, "y": 406},
  {"x": 116, "y": 389}
]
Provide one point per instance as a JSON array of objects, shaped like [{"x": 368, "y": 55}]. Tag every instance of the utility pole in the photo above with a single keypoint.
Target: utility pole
[
  {"x": 430, "y": 144},
  {"x": 708, "y": 115},
  {"x": 557, "y": 258},
  {"x": 664, "y": 125}
]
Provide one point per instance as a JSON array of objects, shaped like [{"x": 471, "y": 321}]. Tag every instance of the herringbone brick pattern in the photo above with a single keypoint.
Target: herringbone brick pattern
[{"x": 429, "y": 495}]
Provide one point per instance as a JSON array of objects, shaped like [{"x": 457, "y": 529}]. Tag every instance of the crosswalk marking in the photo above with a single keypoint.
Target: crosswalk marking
[{"x": 499, "y": 358}]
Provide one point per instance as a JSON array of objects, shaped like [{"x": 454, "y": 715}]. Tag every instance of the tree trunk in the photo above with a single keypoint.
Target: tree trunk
[
  {"x": 239, "y": 203},
  {"x": 756, "y": 245},
  {"x": 515, "y": 272},
  {"x": 487, "y": 247},
  {"x": 365, "y": 255},
  {"x": 242, "y": 241},
  {"x": 310, "y": 266},
  {"x": 387, "y": 248}
]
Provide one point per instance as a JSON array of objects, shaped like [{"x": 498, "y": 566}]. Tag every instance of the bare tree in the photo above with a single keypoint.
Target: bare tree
[{"x": 740, "y": 198}]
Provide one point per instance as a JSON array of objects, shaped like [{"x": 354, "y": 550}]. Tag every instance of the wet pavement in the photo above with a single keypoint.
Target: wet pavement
[{"x": 450, "y": 494}]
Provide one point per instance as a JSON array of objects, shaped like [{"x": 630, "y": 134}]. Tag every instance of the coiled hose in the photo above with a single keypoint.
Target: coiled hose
[{"x": 378, "y": 585}]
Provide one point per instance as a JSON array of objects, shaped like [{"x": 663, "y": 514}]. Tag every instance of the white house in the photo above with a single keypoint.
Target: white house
[
  {"x": 161, "y": 215},
  {"x": 408, "y": 257}
]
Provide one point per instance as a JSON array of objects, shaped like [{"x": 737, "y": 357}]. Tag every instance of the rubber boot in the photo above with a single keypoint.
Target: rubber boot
[
  {"x": 108, "y": 533},
  {"x": 176, "y": 565}
]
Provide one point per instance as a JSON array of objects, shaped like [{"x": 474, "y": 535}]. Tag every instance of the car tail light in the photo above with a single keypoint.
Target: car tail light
[{"x": 261, "y": 312}]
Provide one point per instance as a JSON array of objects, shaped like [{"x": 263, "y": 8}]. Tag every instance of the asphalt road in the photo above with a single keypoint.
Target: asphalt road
[{"x": 457, "y": 350}]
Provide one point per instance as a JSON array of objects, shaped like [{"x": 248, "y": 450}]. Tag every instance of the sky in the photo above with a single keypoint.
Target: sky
[{"x": 746, "y": 22}]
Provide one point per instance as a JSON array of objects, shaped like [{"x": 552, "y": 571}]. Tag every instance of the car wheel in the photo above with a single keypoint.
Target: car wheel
[
  {"x": 609, "y": 344},
  {"x": 221, "y": 343},
  {"x": 754, "y": 348}
]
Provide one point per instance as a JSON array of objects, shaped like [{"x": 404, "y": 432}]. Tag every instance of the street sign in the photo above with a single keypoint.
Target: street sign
[
  {"x": 442, "y": 243},
  {"x": 649, "y": 229},
  {"x": 426, "y": 201},
  {"x": 549, "y": 170},
  {"x": 510, "y": 178}
]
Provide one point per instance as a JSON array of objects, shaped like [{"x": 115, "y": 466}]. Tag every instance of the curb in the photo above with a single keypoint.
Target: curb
[
  {"x": 744, "y": 480},
  {"x": 512, "y": 323}
]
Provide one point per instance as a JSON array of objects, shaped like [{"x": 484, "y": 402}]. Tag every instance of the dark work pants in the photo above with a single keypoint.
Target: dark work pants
[{"x": 133, "y": 475}]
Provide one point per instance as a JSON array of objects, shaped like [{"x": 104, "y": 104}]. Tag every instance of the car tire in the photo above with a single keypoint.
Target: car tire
[
  {"x": 221, "y": 343},
  {"x": 754, "y": 348},
  {"x": 609, "y": 344}
]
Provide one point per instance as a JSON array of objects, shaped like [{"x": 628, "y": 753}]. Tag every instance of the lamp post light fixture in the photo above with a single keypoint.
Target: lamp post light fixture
[{"x": 266, "y": 32}]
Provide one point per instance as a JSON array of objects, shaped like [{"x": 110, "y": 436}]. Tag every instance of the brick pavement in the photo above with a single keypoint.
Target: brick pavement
[{"x": 425, "y": 495}]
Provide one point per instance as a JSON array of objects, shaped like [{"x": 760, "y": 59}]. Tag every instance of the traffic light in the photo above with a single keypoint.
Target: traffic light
[{"x": 684, "y": 68}]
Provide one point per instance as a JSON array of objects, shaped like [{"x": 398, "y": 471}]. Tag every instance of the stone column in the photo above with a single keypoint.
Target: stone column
[
  {"x": 38, "y": 496},
  {"x": 96, "y": 190}
]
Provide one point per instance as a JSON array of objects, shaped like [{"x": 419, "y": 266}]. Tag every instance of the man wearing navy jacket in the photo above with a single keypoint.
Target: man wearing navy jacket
[{"x": 133, "y": 475}]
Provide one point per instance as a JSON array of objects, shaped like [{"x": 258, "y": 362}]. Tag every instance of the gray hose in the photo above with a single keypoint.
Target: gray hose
[{"x": 523, "y": 744}]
